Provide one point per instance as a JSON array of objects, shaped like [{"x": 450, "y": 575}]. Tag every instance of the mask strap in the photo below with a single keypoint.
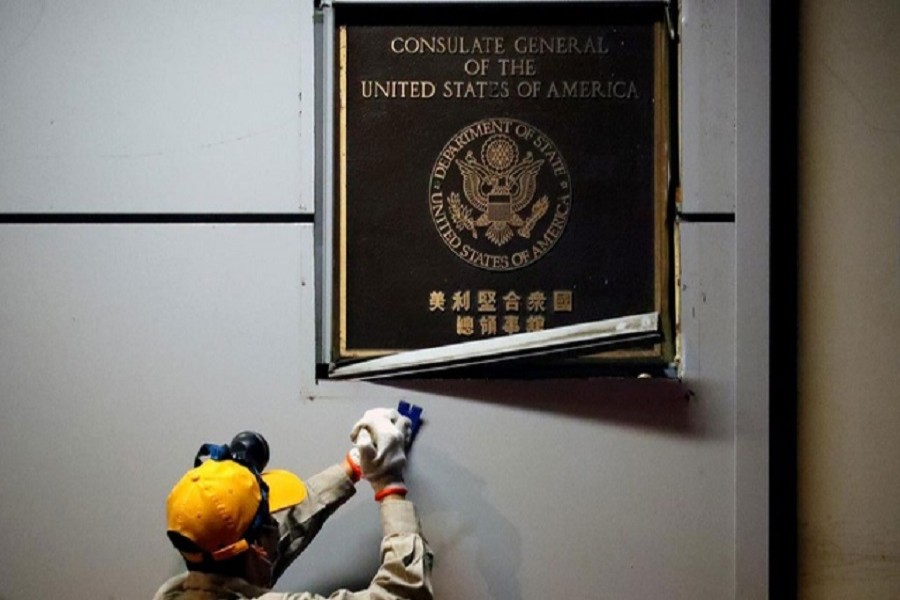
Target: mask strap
[
  {"x": 223, "y": 452},
  {"x": 213, "y": 451}
]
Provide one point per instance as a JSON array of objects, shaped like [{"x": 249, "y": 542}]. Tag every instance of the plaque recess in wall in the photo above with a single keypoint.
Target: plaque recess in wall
[{"x": 498, "y": 173}]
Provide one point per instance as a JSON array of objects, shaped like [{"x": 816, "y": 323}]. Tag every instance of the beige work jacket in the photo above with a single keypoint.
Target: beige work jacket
[{"x": 404, "y": 574}]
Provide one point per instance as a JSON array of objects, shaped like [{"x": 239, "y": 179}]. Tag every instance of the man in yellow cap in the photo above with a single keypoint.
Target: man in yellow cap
[{"x": 238, "y": 528}]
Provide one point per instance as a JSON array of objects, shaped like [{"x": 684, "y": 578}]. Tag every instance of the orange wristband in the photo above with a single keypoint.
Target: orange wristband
[
  {"x": 396, "y": 489},
  {"x": 357, "y": 470}
]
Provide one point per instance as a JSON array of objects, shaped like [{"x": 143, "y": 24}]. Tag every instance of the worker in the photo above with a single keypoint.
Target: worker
[{"x": 238, "y": 528}]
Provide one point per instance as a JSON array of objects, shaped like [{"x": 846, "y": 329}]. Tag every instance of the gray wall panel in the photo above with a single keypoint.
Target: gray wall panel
[
  {"x": 155, "y": 106},
  {"x": 752, "y": 302},
  {"x": 707, "y": 90},
  {"x": 124, "y": 347}
]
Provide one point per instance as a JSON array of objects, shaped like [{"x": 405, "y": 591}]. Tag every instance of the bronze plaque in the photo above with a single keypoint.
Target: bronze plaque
[{"x": 497, "y": 173}]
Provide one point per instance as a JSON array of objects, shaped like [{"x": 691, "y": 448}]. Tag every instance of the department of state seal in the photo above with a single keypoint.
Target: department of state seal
[{"x": 500, "y": 194}]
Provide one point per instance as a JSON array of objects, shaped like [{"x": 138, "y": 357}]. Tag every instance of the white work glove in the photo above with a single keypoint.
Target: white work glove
[{"x": 380, "y": 439}]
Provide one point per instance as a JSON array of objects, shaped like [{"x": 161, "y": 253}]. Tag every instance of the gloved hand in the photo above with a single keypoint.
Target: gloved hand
[{"x": 380, "y": 440}]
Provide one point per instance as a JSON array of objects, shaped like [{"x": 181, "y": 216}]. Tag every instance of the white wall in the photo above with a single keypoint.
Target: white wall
[
  {"x": 125, "y": 346},
  {"x": 160, "y": 106}
]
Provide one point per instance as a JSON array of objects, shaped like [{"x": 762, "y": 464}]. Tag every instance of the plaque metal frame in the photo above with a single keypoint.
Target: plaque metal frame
[{"x": 332, "y": 245}]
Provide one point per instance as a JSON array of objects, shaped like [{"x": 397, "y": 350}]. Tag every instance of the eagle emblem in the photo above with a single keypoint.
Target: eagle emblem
[
  {"x": 500, "y": 194},
  {"x": 499, "y": 187}
]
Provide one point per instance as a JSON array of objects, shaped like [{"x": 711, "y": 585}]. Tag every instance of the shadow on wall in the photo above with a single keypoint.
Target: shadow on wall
[
  {"x": 466, "y": 525},
  {"x": 465, "y": 517},
  {"x": 471, "y": 527},
  {"x": 469, "y": 532},
  {"x": 659, "y": 404}
]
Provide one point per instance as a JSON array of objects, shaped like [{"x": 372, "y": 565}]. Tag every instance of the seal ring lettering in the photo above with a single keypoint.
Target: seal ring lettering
[{"x": 500, "y": 194}]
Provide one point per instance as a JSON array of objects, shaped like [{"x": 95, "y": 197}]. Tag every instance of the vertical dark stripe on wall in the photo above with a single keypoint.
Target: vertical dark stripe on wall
[{"x": 783, "y": 388}]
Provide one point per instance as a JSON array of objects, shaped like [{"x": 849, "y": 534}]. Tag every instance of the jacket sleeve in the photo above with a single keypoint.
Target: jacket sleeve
[
  {"x": 298, "y": 525},
  {"x": 405, "y": 571}
]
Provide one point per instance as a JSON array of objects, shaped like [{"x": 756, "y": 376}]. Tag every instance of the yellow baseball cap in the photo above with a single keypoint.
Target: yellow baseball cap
[{"x": 217, "y": 505}]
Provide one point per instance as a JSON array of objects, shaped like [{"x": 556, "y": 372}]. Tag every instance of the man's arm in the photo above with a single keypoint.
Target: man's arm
[
  {"x": 405, "y": 571},
  {"x": 297, "y": 526},
  {"x": 381, "y": 438},
  {"x": 406, "y": 559}
]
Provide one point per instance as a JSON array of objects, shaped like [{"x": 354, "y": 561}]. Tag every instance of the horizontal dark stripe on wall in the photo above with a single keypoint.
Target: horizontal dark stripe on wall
[
  {"x": 706, "y": 217},
  {"x": 152, "y": 218}
]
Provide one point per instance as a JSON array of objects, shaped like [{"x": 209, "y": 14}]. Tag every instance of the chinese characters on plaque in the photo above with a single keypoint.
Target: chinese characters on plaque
[{"x": 484, "y": 313}]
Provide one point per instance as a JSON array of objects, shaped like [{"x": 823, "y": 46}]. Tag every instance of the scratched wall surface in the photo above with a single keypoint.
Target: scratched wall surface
[
  {"x": 849, "y": 315},
  {"x": 123, "y": 346}
]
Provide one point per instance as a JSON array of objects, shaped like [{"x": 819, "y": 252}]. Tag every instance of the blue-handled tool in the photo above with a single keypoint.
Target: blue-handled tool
[{"x": 413, "y": 413}]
